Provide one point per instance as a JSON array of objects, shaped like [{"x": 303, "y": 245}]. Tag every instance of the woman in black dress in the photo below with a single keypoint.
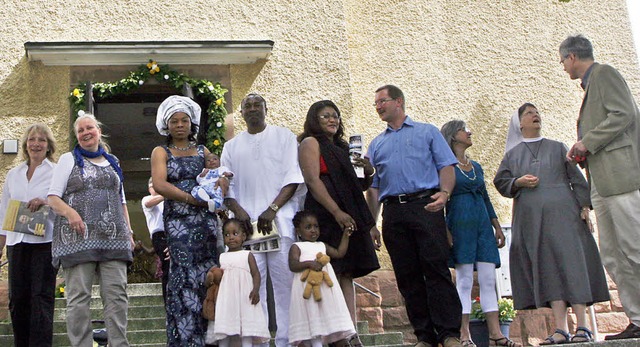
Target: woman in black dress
[{"x": 335, "y": 195}]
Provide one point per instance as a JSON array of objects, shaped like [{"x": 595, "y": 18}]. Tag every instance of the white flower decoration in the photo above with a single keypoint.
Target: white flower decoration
[
  {"x": 219, "y": 124},
  {"x": 140, "y": 82},
  {"x": 166, "y": 77},
  {"x": 210, "y": 88},
  {"x": 80, "y": 113}
]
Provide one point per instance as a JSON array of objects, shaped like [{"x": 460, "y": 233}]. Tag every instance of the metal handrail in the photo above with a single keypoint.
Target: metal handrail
[{"x": 356, "y": 284}]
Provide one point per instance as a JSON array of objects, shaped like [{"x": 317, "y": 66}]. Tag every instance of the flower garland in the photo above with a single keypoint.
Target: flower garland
[{"x": 212, "y": 92}]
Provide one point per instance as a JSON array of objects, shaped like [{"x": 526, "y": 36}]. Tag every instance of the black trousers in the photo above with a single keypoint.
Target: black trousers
[
  {"x": 159, "y": 242},
  {"x": 418, "y": 247},
  {"x": 32, "y": 282}
]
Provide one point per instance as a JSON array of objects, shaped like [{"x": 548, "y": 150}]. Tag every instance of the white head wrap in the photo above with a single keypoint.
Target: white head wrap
[
  {"x": 514, "y": 135},
  {"x": 172, "y": 105}
]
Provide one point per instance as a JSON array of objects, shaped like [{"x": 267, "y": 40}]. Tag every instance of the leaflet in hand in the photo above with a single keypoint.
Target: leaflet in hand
[
  {"x": 20, "y": 219},
  {"x": 355, "y": 151}
]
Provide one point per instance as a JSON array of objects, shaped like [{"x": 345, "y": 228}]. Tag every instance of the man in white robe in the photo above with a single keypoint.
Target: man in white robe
[{"x": 264, "y": 160}]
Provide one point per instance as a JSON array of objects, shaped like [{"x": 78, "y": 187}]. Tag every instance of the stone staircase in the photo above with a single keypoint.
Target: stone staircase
[{"x": 146, "y": 327}]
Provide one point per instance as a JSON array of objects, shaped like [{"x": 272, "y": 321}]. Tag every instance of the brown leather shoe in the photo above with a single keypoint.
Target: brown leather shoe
[
  {"x": 631, "y": 332},
  {"x": 451, "y": 342}
]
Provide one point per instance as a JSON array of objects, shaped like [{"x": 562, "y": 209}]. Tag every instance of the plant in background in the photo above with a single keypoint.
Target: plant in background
[
  {"x": 505, "y": 308},
  {"x": 59, "y": 293},
  {"x": 213, "y": 93}
]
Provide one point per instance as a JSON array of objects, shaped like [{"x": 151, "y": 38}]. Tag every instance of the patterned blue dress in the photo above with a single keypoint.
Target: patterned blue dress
[
  {"x": 469, "y": 214},
  {"x": 192, "y": 245}
]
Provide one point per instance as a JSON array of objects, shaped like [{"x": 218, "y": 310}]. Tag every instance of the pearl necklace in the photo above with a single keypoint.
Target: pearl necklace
[
  {"x": 473, "y": 171},
  {"x": 184, "y": 149}
]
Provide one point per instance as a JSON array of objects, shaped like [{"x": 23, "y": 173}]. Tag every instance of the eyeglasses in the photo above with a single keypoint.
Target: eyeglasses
[
  {"x": 328, "y": 116},
  {"x": 465, "y": 129},
  {"x": 382, "y": 101},
  {"x": 564, "y": 58}
]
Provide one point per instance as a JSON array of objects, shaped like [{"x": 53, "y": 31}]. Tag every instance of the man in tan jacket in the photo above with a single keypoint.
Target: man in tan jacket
[{"x": 609, "y": 148}]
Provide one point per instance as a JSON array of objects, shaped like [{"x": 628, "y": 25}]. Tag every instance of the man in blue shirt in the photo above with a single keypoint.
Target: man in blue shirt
[{"x": 414, "y": 178}]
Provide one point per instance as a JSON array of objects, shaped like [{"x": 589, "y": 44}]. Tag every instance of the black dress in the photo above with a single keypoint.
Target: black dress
[{"x": 345, "y": 188}]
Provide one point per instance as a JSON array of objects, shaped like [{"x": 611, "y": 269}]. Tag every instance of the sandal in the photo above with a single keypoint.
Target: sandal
[
  {"x": 503, "y": 341},
  {"x": 354, "y": 341},
  {"x": 582, "y": 335},
  {"x": 468, "y": 343},
  {"x": 550, "y": 340}
]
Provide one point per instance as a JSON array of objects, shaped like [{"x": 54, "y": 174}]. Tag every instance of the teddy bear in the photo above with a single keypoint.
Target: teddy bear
[
  {"x": 212, "y": 282},
  {"x": 315, "y": 278}
]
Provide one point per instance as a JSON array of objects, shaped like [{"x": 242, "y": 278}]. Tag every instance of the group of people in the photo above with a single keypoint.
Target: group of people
[{"x": 436, "y": 214}]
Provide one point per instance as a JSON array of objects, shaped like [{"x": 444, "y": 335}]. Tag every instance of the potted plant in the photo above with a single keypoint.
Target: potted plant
[{"x": 478, "y": 324}]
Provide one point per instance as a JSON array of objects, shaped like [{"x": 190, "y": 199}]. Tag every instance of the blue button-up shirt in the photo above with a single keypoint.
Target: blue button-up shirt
[{"x": 408, "y": 160}]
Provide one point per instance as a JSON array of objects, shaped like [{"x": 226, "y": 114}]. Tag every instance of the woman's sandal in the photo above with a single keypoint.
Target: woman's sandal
[
  {"x": 552, "y": 341},
  {"x": 468, "y": 343},
  {"x": 503, "y": 341},
  {"x": 354, "y": 341},
  {"x": 582, "y": 335}
]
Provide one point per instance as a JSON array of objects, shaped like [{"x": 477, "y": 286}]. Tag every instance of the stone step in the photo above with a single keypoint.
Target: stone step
[
  {"x": 152, "y": 311},
  {"x": 134, "y": 324},
  {"x": 137, "y": 300}
]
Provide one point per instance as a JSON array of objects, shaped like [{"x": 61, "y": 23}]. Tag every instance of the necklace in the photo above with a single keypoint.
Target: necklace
[
  {"x": 465, "y": 164},
  {"x": 184, "y": 149},
  {"x": 473, "y": 172},
  {"x": 535, "y": 155}
]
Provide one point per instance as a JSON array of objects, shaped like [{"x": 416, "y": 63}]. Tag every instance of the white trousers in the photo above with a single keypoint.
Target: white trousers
[
  {"x": 281, "y": 278},
  {"x": 112, "y": 276},
  {"x": 618, "y": 218}
]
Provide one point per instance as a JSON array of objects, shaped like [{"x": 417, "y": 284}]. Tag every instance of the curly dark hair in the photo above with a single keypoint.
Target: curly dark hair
[
  {"x": 312, "y": 124},
  {"x": 234, "y": 221},
  {"x": 300, "y": 215}
]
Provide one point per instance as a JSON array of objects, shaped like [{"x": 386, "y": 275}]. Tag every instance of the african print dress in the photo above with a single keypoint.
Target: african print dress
[{"x": 191, "y": 240}]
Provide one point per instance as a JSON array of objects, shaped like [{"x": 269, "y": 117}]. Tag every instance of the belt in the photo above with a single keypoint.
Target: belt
[{"x": 404, "y": 198}]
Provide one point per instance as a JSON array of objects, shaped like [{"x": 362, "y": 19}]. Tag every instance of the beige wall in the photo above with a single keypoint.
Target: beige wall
[{"x": 475, "y": 60}]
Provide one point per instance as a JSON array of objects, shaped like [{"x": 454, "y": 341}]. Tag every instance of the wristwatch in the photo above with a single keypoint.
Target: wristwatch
[{"x": 274, "y": 207}]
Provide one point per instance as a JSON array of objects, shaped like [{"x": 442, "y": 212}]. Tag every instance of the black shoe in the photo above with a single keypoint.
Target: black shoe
[{"x": 631, "y": 332}]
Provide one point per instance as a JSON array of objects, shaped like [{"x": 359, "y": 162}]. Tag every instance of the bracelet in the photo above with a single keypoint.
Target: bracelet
[
  {"x": 374, "y": 171},
  {"x": 448, "y": 194}
]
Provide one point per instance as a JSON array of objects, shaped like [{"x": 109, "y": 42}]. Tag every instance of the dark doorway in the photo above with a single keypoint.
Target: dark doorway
[{"x": 129, "y": 122}]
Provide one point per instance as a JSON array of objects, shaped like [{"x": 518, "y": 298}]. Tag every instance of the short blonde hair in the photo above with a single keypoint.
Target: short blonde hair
[{"x": 44, "y": 130}]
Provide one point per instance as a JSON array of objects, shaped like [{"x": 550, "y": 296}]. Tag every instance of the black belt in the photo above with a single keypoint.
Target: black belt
[{"x": 404, "y": 198}]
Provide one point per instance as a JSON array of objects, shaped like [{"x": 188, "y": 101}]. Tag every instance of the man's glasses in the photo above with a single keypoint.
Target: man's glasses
[{"x": 382, "y": 101}]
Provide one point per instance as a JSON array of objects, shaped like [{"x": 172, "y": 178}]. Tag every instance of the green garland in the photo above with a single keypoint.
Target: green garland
[{"x": 212, "y": 92}]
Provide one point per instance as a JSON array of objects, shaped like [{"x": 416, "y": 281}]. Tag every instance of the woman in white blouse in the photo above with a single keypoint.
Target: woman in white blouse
[{"x": 32, "y": 278}]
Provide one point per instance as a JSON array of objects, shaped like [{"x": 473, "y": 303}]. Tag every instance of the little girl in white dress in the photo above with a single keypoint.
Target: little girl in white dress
[
  {"x": 314, "y": 323},
  {"x": 237, "y": 311}
]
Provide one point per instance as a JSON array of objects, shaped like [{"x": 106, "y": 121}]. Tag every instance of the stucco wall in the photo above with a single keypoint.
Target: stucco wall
[
  {"x": 479, "y": 61},
  {"x": 475, "y": 60}
]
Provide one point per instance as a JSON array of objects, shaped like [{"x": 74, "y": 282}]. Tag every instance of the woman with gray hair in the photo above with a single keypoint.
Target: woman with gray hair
[
  {"x": 32, "y": 278},
  {"x": 92, "y": 233},
  {"x": 189, "y": 226},
  {"x": 471, "y": 221}
]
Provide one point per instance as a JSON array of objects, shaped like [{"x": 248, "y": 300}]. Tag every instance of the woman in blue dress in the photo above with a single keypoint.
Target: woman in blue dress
[
  {"x": 189, "y": 226},
  {"x": 471, "y": 221}
]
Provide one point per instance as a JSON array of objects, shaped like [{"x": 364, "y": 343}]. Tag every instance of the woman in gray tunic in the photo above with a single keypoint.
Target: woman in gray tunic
[{"x": 553, "y": 256}]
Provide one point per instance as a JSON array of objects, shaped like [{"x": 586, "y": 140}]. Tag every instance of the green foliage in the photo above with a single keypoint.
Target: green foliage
[
  {"x": 505, "y": 309},
  {"x": 59, "y": 293},
  {"x": 212, "y": 92}
]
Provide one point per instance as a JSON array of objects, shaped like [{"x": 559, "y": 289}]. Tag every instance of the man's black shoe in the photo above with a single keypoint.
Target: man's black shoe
[{"x": 631, "y": 332}]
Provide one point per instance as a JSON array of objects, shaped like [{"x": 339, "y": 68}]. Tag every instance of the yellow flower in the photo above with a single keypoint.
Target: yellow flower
[
  {"x": 216, "y": 142},
  {"x": 219, "y": 102},
  {"x": 61, "y": 289},
  {"x": 150, "y": 64},
  {"x": 76, "y": 92}
]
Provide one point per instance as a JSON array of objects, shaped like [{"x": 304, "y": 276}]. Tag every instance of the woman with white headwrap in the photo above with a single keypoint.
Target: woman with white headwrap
[
  {"x": 189, "y": 225},
  {"x": 553, "y": 257}
]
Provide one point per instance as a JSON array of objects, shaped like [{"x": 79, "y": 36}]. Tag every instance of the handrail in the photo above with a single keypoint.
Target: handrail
[{"x": 366, "y": 289}]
